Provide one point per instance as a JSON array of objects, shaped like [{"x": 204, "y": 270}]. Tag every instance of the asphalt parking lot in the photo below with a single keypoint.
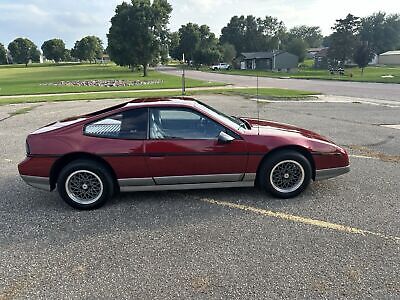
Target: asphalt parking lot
[{"x": 338, "y": 240}]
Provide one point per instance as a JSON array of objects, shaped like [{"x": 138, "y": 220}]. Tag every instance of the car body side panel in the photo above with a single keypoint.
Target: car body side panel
[
  {"x": 126, "y": 157},
  {"x": 130, "y": 166},
  {"x": 36, "y": 166},
  {"x": 195, "y": 157}
]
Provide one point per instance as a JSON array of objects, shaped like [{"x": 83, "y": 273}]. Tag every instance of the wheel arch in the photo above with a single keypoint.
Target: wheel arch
[
  {"x": 296, "y": 148},
  {"x": 61, "y": 162}
]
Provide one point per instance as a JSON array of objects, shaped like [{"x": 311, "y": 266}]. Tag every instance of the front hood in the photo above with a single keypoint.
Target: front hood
[{"x": 268, "y": 127}]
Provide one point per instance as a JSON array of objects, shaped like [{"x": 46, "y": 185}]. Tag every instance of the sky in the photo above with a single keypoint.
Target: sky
[{"x": 70, "y": 20}]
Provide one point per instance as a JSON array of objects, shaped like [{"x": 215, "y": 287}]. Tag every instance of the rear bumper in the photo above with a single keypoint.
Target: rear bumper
[
  {"x": 330, "y": 173},
  {"x": 42, "y": 183}
]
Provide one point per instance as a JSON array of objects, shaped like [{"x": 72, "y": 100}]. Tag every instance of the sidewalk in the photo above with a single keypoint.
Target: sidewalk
[
  {"x": 126, "y": 91},
  {"x": 339, "y": 99}
]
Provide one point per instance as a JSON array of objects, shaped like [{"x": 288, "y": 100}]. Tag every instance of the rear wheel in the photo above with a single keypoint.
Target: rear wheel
[
  {"x": 285, "y": 174},
  {"x": 85, "y": 184}
]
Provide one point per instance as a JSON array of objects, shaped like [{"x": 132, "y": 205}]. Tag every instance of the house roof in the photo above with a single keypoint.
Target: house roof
[
  {"x": 322, "y": 53},
  {"x": 314, "y": 49},
  {"x": 397, "y": 52},
  {"x": 253, "y": 55}
]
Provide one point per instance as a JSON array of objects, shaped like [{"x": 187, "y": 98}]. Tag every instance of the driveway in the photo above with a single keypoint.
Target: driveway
[{"x": 384, "y": 91}]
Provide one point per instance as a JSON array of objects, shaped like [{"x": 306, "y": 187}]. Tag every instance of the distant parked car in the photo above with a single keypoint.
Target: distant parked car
[
  {"x": 174, "y": 144},
  {"x": 221, "y": 66}
]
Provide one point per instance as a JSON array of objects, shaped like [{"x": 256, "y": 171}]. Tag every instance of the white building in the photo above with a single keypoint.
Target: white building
[{"x": 390, "y": 58}]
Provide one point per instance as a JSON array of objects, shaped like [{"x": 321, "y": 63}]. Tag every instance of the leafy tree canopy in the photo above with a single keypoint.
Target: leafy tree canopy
[
  {"x": 198, "y": 44},
  {"x": 310, "y": 34},
  {"x": 23, "y": 50},
  {"x": 228, "y": 53},
  {"x": 249, "y": 34},
  {"x": 138, "y": 32},
  {"x": 363, "y": 54},
  {"x": 344, "y": 38},
  {"x": 88, "y": 48},
  {"x": 3, "y": 55},
  {"x": 297, "y": 47},
  {"x": 381, "y": 31},
  {"x": 54, "y": 49}
]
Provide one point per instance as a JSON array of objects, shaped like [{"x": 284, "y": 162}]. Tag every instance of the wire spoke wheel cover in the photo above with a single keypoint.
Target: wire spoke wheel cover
[
  {"x": 84, "y": 187},
  {"x": 287, "y": 176}
]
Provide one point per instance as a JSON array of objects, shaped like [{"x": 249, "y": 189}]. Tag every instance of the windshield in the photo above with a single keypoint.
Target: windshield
[{"x": 230, "y": 121}]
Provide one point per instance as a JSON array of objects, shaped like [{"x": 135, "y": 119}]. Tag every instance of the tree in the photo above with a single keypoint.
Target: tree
[
  {"x": 138, "y": 32},
  {"x": 381, "y": 31},
  {"x": 35, "y": 57},
  {"x": 344, "y": 38},
  {"x": 173, "y": 45},
  {"x": 23, "y": 50},
  {"x": 250, "y": 34},
  {"x": 363, "y": 55},
  {"x": 67, "y": 55},
  {"x": 189, "y": 39},
  {"x": 54, "y": 49},
  {"x": 3, "y": 55},
  {"x": 228, "y": 52},
  {"x": 89, "y": 48},
  {"x": 310, "y": 34},
  {"x": 198, "y": 44},
  {"x": 208, "y": 50},
  {"x": 297, "y": 47}
]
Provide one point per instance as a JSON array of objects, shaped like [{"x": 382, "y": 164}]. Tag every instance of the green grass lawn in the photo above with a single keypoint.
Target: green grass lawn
[
  {"x": 264, "y": 93},
  {"x": 371, "y": 74},
  {"x": 18, "y": 80}
]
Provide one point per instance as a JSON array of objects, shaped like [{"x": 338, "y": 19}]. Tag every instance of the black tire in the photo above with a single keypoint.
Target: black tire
[
  {"x": 285, "y": 163},
  {"x": 99, "y": 185}
]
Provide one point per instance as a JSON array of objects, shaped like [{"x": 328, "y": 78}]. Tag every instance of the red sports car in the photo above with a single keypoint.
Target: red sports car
[{"x": 173, "y": 144}]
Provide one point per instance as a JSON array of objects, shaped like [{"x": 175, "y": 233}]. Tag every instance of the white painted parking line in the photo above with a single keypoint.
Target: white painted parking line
[
  {"x": 304, "y": 220},
  {"x": 391, "y": 126},
  {"x": 363, "y": 156}
]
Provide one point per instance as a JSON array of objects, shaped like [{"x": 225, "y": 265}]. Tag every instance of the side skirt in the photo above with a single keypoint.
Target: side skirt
[
  {"x": 192, "y": 186},
  {"x": 186, "y": 182}
]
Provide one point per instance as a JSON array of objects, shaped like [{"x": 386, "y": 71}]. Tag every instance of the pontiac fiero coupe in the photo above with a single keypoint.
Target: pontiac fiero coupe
[{"x": 173, "y": 144}]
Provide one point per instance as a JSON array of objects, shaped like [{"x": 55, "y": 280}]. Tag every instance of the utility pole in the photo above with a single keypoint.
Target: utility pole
[{"x": 183, "y": 76}]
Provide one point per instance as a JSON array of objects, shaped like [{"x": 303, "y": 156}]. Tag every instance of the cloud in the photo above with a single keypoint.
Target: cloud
[{"x": 71, "y": 20}]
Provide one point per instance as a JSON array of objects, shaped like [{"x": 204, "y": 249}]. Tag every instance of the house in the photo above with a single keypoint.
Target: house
[
  {"x": 389, "y": 58},
  {"x": 321, "y": 59},
  {"x": 269, "y": 61},
  {"x": 105, "y": 59},
  {"x": 312, "y": 51}
]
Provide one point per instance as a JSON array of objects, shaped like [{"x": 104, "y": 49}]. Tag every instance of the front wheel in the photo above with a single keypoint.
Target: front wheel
[
  {"x": 285, "y": 174},
  {"x": 85, "y": 184}
]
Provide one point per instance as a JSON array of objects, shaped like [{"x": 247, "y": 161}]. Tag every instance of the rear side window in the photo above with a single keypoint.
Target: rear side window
[{"x": 129, "y": 124}]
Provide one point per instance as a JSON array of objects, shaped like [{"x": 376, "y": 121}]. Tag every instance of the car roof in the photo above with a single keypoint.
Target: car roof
[{"x": 187, "y": 101}]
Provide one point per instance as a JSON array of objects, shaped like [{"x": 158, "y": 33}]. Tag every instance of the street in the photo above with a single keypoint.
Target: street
[{"x": 382, "y": 91}]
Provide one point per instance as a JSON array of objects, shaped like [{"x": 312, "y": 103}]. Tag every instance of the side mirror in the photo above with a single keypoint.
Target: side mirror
[{"x": 224, "y": 138}]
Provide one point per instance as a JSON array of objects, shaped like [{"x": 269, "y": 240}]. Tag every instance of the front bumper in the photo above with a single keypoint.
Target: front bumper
[
  {"x": 42, "y": 183},
  {"x": 330, "y": 173}
]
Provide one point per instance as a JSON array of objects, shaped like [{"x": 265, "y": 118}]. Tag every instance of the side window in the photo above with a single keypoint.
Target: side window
[
  {"x": 130, "y": 124},
  {"x": 172, "y": 123}
]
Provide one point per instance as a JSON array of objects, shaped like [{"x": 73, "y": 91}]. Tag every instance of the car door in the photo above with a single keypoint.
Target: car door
[{"x": 183, "y": 147}]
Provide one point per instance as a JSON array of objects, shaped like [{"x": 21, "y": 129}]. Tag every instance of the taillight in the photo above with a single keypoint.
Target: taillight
[{"x": 28, "y": 150}]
